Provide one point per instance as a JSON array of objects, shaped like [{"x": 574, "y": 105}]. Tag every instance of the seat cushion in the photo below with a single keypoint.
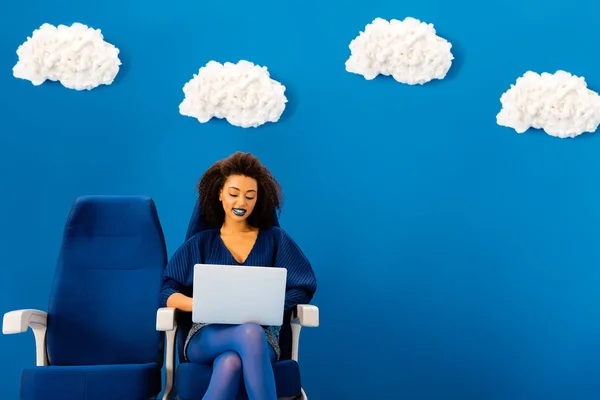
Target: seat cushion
[
  {"x": 191, "y": 380},
  {"x": 116, "y": 382}
]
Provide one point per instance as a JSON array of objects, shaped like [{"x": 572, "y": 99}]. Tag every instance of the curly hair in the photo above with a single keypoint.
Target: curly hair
[{"x": 269, "y": 199}]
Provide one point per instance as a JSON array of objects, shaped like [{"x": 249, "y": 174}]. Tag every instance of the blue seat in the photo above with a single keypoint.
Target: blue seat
[
  {"x": 98, "y": 340},
  {"x": 190, "y": 381}
]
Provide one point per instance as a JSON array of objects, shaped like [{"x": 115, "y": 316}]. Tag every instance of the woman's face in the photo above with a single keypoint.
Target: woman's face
[{"x": 238, "y": 196}]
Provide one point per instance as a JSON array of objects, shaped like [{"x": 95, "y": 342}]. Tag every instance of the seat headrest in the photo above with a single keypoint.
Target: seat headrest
[
  {"x": 111, "y": 215},
  {"x": 198, "y": 223}
]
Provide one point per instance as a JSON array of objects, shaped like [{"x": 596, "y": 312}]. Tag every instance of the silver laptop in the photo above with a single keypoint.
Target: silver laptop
[{"x": 231, "y": 294}]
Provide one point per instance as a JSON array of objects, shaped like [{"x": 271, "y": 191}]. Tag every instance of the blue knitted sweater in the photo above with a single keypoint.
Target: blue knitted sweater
[{"x": 273, "y": 248}]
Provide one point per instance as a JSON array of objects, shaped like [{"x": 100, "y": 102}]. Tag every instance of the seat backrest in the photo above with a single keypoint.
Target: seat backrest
[
  {"x": 198, "y": 224},
  {"x": 103, "y": 300}
]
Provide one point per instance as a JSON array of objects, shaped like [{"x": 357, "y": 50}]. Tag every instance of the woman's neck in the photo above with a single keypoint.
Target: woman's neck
[{"x": 234, "y": 227}]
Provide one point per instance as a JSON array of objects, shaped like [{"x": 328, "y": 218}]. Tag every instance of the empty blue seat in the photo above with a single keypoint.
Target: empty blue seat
[{"x": 98, "y": 340}]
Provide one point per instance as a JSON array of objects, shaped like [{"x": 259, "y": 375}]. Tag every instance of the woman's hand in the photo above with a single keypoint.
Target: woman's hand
[{"x": 180, "y": 302}]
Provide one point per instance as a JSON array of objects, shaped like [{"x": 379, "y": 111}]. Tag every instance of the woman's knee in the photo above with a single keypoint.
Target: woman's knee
[
  {"x": 253, "y": 332},
  {"x": 229, "y": 362},
  {"x": 253, "y": 336}
]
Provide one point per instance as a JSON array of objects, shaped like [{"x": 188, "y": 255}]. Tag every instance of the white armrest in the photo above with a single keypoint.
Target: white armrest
[
  {"x": 19, "y": 320},
  {"x": 306, "y": 315},
  {"x": 166, "y": 322},
  {"x": 165, "y": 319}
]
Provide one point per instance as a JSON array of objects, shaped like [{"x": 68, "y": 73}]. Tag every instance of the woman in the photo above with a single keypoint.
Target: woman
[{"x": 238, "y": 197}]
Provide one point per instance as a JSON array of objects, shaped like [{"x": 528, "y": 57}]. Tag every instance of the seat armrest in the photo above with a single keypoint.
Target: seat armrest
[
  {"x": 306, "y": 315},
  {"x": 166, "y": 321},
  {"x": 19, "y": 320}
]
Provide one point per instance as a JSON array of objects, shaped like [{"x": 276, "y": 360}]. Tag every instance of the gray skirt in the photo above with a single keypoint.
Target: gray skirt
[{"x": 271, "y": 332}]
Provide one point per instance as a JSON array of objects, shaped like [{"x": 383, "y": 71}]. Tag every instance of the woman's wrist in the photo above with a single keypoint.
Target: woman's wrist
[{"x": 189, "y": 303}]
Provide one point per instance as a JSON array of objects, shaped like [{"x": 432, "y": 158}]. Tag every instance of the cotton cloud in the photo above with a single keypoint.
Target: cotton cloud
[
  {"x": 77, "y": 56},
  {"x": 559, "y": 103},
  {"x": 242, "y": 93},
  {"x": 408, "y": 50}
]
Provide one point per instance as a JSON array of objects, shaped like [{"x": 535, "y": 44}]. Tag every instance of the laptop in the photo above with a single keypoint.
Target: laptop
[{"x": 231, "y": 294}]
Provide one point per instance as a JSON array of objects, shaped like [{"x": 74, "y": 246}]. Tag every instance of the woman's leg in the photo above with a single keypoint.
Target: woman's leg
[
  {"x": 250, "y": 342},
  {"x": 226, "y": 379}
]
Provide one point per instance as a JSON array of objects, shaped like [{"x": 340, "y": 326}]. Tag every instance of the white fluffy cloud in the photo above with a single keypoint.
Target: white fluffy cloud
[
  {"x": 408, "y": 50},
  {"x": 561, "y": 104},
  {"x": 77, "y": 56},
  {"x": 242, "y": 93}
]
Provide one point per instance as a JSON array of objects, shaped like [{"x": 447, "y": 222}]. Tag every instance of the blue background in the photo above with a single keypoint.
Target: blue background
[{"x": 456, "y": 259}]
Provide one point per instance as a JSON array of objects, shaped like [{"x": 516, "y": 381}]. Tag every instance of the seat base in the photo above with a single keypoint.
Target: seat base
[
  {"x": 94, "y": 382},
  {"x": 191, "y": 381}
]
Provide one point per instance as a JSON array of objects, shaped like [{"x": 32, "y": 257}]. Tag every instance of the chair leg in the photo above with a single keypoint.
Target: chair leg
[{"x": 170, "y": 396}]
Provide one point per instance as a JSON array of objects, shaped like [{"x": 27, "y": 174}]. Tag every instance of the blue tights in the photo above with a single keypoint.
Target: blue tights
[{"x": 238, "y": 353}]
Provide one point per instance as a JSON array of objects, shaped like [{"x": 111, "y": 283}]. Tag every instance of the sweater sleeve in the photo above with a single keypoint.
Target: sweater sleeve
[
  {"x": 301, "y": 280},
  {"x": 178, "y": 274}
]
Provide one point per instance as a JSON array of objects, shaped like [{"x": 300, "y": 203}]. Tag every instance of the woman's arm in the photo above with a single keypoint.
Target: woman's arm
[
  {"x": 180, "y": 302},
  {"x": 301, "y": 280},
  {"x": 177, "y": 278}
]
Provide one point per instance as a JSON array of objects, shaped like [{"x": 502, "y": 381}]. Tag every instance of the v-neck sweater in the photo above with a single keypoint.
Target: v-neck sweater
[{"x": 273, "y": 248}]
